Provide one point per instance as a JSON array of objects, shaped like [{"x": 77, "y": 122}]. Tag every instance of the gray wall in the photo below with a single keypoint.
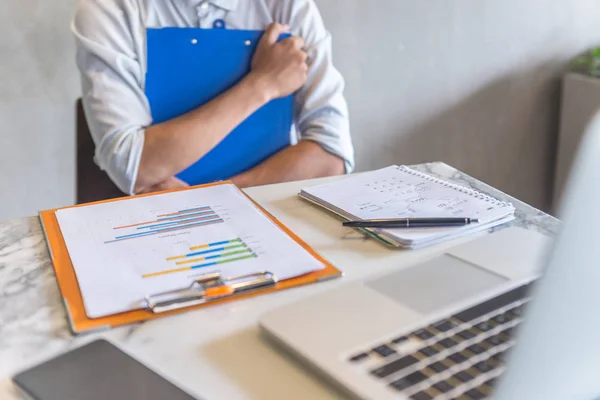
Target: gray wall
[
  {"x": 472, "y": 83},
  {"x": 469, "y": 82},
  {"x": 38, "y": 87}
]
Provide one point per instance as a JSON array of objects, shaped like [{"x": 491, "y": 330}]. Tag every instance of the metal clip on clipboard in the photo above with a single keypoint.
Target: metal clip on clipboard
[{"x": 209, "y": 288}]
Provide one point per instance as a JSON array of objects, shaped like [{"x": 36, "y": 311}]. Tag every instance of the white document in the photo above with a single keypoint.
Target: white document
[
  {"x": 401, "y": 192},
  {"x": 125, "y": 250}
]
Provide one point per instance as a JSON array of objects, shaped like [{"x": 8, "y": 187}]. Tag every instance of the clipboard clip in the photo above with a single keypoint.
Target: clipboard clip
[{"x": 207, "y": 288}]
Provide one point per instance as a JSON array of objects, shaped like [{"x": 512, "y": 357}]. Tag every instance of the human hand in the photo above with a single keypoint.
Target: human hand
[
  {"x": 171, "y": 183},
  {"x": 279, "y": 68}
]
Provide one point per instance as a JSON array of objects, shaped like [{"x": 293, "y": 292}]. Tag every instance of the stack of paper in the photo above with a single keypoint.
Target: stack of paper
[
  {"x": 125, "y": 250},
  {"x": 401, "y": 192}
]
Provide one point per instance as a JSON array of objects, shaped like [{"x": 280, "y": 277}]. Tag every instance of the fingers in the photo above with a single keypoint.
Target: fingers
[
  {"x": 294, "y": 41},
  {"x": 178, "y": 183},
  {"x": 303, "y": 57},
  {"x": 296, "y": 44},
  {"x": 272, "y": 34},
  {"x": 170, "y": 183}
]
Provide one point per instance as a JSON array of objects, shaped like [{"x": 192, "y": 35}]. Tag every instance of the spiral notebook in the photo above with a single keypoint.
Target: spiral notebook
[{"x": 402, "y": 192}]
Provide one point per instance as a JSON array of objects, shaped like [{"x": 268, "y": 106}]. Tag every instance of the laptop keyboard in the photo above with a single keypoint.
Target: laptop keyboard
[{"x": 455, "y": 358}]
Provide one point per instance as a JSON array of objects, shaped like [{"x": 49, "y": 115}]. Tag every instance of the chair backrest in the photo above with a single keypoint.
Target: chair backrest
[{"x": 93, "y": 184}]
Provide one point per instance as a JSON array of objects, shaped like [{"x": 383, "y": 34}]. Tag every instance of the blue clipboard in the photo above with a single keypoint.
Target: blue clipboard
[{"x": 188, "y": 67}]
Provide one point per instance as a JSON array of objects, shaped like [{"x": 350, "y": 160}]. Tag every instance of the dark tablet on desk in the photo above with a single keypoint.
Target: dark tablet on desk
[{"x": 96, "y": 371}]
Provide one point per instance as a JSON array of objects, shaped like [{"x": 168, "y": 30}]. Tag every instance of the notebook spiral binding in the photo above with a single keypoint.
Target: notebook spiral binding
[{"x": 462, "y": 189}]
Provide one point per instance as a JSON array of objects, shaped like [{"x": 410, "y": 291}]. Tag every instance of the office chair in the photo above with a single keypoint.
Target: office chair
[{"x": 92, "y": 183}]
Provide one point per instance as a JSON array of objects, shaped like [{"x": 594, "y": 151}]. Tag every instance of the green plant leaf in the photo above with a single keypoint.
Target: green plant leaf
[
  {"x": 580, "y": 61},
  {"x": 588, "y": 63}
]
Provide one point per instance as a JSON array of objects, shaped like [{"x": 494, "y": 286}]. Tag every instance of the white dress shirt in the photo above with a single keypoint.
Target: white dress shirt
[{"x": 111, "y": 55}]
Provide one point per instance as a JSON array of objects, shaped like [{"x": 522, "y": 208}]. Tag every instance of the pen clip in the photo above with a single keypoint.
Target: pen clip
[{"x": 208, "y": 288}]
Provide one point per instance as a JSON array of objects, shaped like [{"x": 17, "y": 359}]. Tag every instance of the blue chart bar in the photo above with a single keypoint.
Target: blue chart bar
[
  {"x": 233, "y": 244},
  {"x": 199, "y": 253},
  {"x": 227, "y": 252},
  {"x": 181, "y": 221},
  {"x": 169, "y": 229},
  {"x": 186, "y": 215},
  {"x": 184, "y": 219},
  {"x": 185, "y": 211},
  {"x": 220, "y": 243},
  {"x": 195, "y": 209}
]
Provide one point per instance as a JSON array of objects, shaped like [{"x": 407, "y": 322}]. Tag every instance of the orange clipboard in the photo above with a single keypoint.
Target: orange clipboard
[{"x": 69, "y": 288}]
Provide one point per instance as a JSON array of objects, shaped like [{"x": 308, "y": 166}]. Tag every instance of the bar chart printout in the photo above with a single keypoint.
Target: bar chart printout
[
  {"x": 125, "y": 250},
  {"x": 207, "y": 255},
  {"x": 184, "y": 219}
]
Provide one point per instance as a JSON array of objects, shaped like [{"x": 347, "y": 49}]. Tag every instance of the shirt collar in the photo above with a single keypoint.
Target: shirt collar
[{"x": 230, "y": 5}]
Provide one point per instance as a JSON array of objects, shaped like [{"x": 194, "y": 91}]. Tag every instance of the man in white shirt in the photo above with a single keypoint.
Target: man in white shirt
[{"x": 141, "y": 157}]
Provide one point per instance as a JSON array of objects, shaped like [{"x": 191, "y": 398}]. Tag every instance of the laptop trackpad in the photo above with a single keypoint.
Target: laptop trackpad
[{"x": 435, "y": 283}]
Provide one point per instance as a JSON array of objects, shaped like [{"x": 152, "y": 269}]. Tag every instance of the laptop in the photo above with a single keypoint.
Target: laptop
[{"x": 511, "y": 315}]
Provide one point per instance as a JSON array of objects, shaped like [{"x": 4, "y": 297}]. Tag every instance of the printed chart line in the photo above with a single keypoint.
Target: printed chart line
[
  {"x": 204, "y": 246},
  {"x": 180, "y": 216},
  {"x": 183, "y": 219},
  {"x": 178, "y": 222},
  {"x": 212, "y": 250},
  {"x": 231, "y": 253},
  {"x": 170, "y": 271},
  {"x": 164, "y": 230},
  {"x": 221, "y": 252},
  {"x": 185, "y": 211},
  {"x": 160, "y": 220}
]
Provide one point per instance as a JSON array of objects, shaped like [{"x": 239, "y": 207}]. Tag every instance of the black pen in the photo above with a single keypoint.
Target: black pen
[{"x": 411, "y": 223}]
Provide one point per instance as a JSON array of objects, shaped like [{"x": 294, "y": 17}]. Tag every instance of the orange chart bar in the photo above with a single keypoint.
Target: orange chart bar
[
  {"x": 210, "y": 248},
  {"x": 218, "y": 220},
  {"x": 172, "y": 271}
]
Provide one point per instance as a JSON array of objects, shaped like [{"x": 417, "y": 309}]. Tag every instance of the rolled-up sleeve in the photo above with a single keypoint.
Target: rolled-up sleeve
[
  {"x": 321, "y": 112},
  {"x": 112, "y": 79}
]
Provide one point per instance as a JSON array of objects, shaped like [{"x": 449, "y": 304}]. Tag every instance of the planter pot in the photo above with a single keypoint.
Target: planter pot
[{"x": 580, "y": 101}]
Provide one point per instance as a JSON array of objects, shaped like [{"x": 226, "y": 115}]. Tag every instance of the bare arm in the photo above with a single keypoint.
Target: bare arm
[
  {"x": 278, "y": 69},
  {"x": 174, "y": 145},
  {"x": 306, "y": 160},
  {"x": 321, "y": 112}
]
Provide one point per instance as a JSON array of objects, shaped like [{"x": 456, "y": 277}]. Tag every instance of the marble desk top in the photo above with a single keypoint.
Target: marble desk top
[{"x": 217, "y": 352}]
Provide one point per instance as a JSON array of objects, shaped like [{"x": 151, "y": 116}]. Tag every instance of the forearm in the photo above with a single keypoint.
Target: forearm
[
  {"x": 306, "y": 160},
  {"x": 174, "y": 145}
]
